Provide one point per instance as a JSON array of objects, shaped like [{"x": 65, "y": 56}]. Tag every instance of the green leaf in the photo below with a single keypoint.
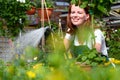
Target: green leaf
[
  {"x": 84, "y": 58},
  {"x": 84, "y": 4},
  {"x": 97, "y": 59},
  {"x": 87, "y": 62},
  {"x": 92, "y": 55},
  {"x": 101, "y": 1},
  {"x": 102, "y": 9},
  {"x": 94, "y": 64},
  {"x": 73, "y": 2},
  {"x": 91, "y": 5}
]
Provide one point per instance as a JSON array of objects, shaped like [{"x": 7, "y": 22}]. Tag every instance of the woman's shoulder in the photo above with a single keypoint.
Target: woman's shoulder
[
  {"x": 69, "y": 36},
  {"x": 97, "y": 31}
]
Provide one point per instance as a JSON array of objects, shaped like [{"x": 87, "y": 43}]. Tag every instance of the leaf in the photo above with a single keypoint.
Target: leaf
[
  {"x": 102, "y": 9},
  {"x": 94, "y": 64},
  {"x": 91, "y": 5},
  {"x": 112, "y": 1},
  {"x": 97, "y": 59},
  {"x": 84, "y": 58},
  {"x": 101, "y": 1},
  {"x": 87, "y": 62},
  {"x": 92, "y": 55},
  {"x": 84, "y": 4}
]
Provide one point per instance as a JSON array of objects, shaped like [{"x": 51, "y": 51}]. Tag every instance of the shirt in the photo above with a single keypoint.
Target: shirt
[{"x": 99, "y": 38}]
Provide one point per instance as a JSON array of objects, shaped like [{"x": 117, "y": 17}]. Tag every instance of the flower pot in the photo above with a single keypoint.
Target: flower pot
[
  {"x": 31, "y": 11},
  {"x": 47, "y": 13},
  {"x": 84, "y": 66}
]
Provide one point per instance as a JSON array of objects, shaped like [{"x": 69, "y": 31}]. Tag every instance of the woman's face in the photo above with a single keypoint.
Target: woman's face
[{"x": 78, "y": 15}]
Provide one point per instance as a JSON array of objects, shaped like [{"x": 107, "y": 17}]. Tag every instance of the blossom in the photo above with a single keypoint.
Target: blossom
[
  {"x": 112, "y": 60},
  {"x": 22, "y": 1},
  {"x": 31, "y": 74},
  {"x": 37, "y": 66}
]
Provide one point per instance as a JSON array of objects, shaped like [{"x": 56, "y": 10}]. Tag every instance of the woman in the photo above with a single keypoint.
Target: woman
[{"x": 80, "y": 32}]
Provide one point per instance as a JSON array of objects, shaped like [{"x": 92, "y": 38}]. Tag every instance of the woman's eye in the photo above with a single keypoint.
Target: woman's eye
[
  {"x": 79, "y": 12},
  {"x": 76, "y": 12},
  {"x": 72, "y": 12}
]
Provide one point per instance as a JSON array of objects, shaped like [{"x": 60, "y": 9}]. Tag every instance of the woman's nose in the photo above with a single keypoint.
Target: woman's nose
[{"x": 76, "y": 14}]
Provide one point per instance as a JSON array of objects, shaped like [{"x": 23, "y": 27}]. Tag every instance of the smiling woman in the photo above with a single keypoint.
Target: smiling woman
[{"x": 80, "y": 34}]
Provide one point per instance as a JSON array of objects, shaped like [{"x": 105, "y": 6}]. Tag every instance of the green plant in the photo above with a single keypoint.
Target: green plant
[
  {"x": 114, "y": 44},
  {"x": 14, "y": 14},
  {"x": 91, "y": 57},
  {"x": 98, "y": 8},
  {"x": 32, "y": 3},
  {"x": 2, "y": 30},
  {"x": 53, "y": 25},
  {"x": 56, "y": 68},
  {"x": 47, "y": 4}
]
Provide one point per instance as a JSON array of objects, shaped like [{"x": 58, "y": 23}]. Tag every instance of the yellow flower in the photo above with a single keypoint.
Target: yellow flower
[
  {"x": 115, "y": 60},
  {"x": 11, "y": 70},
  {"x": 52, "y": 68},
  {"x": 106, "y": 64},
  {"x": 112, "y": 59},
  {"x": 56, "y": 75},
  {"x": 31, "y": 74},
  {"x": 37, "y": 66},
  {"x": 35, "y": 58}
]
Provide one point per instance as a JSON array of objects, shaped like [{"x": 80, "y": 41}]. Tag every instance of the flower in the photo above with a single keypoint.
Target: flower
[
  {"x": 35, "y": 58},
  {"x": 37, "y": 66},
  {"x": 31, "y": 74},
  {"x": 112, "y": 60},
  {"x": 56, "y": 75}
]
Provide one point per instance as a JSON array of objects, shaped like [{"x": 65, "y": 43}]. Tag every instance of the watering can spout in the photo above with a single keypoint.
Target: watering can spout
[{"x": 47, "y": 27}]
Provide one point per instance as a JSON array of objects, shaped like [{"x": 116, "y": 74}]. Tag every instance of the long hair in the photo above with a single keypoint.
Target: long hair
[{"x": 72, "y": 28}]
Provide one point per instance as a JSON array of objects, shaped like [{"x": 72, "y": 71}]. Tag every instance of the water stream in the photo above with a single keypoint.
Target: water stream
[{"x": 31, "y": 38}]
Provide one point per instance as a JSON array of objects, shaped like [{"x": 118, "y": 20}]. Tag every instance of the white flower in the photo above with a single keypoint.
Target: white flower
[{"x": 22, "y": 1}]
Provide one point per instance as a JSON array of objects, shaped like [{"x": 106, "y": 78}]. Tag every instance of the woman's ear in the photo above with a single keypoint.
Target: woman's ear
[{"x": 87, "y": 16}]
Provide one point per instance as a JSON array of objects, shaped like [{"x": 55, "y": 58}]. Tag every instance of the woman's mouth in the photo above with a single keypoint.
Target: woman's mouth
[{"x": 75, "y": 19}]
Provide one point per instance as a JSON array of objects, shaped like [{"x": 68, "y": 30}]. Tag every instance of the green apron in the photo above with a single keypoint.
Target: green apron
[{"x": 76, "y": 50}]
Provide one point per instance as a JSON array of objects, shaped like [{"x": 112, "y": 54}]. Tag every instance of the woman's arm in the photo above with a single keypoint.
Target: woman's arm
[
  {"x": 67, "y": 41},
  {"x": 98, "y": 46},
  {"x": 98, "y": 39},
  {"x": 67, "y": 44}
]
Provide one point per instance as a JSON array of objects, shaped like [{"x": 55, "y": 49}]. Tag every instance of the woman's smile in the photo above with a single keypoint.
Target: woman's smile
[{"x": 75, "y": 19}]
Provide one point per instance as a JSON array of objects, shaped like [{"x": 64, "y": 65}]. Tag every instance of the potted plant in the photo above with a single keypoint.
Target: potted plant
[
  {"x": 14, "y": 16},
  {"x": 47, "y": 9},
  {"x": 32, "y": 9}
]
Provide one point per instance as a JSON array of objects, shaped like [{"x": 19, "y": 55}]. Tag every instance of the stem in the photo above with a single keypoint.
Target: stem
[{"x": 92, "y": 25}]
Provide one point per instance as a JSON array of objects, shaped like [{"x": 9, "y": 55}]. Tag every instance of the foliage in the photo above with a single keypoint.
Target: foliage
[
  {"x": 114, "y": 44},
  {"x": 56, "y": 68},
  {"x": 91, "y": 57},
  {"x": 53, "y": 66},
  {"x": 2, "y": 30},
  {"x": 14, "y": 14},
  {"x": 47, "y": 4},
  {"x": 97, "y": 7},
  {"x": 30, "y": 52},
  {"x": 53, "y": 25}
]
